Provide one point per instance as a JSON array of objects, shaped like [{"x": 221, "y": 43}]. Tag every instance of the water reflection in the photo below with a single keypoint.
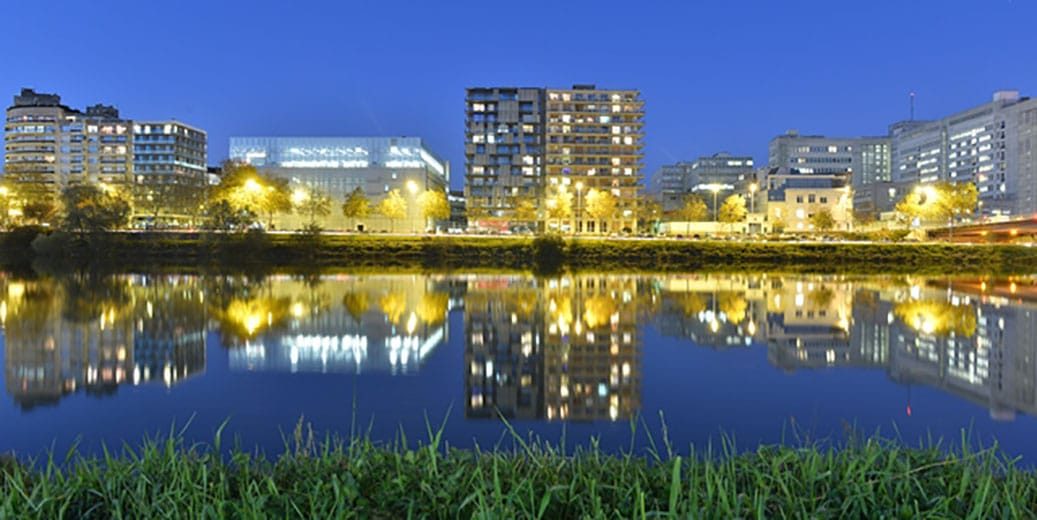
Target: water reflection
[
  {"x": 91, "y": 334},
  {"x": 563, "y": 348}
]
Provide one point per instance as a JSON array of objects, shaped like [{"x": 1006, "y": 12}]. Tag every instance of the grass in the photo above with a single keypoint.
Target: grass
[
  {"x": 866, "y": 478},
  {"x": 131, "y": 251}
]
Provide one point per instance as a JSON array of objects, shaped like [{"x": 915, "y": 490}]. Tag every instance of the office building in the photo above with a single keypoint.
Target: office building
[
  {"x": 669, "y": 185},
  {"x": 504, "y": 151},
  {"x": 991, "y": 145},
  {"x": 338, "y": 165},
  {"x": 866, "y": 159},
  {"x": 721, "y": 171},
  {"x": 550, "y": 145}
]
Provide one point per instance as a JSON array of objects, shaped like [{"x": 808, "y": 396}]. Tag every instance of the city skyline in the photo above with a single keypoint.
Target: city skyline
[{"x": 686, "y": 117}]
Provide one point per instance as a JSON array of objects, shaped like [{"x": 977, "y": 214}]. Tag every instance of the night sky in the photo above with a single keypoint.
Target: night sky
[{"x": 715, "y": 75}]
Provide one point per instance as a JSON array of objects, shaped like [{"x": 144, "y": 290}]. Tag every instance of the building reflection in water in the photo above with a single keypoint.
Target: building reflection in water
[
  {"x": 345, "y": 324},
  {"x": 86, "y": 333},
  {"x": 557, "y": 348},
  {"x": 562, "y": 348}
]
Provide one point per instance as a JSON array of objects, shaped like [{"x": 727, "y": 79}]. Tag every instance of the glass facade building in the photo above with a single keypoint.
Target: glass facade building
[{"x": 339, "y": 165}]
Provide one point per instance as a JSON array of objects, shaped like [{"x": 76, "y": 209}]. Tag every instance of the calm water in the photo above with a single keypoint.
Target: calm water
[{"x": 109, "y": 360}]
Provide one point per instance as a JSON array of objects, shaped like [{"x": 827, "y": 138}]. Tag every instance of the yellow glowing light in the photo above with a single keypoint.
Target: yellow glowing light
[
  {"x": 412, "y": 323},
  {"x": 297, "y": 310},
  {"x": 299, "y": 196},
  {"x": 252, "y": 185},
  {"x": 412, "y": 187},
  {"x": 4, "y": 191}
]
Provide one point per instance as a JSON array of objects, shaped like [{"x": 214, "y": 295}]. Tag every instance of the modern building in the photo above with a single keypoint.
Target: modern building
[
  {"x": 52, "y": 146},
  {"x": 504, "y": 151},
  {"x": 338, "y": 165},
  {"x": 866, "y": 159},
  {"x": 794, "y": 199},
  {"x": 549, "y": 143},
  {"x": 669, "y": 185},
  {"x": 991, "y": 145},
  {"x": 48, "y": 143},
  {"x": 458, "y": 210},
  {"x": 721, "y": 171}
]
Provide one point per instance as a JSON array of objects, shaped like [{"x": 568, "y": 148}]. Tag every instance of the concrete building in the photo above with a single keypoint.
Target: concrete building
[
  {"x": 794, "y": 199},
  {"x": 504, "y": 150},
  {"x": 48, "y": 143},
  {"x": 669, "y": 185},
  {"x": 866, "y": 159},
  {"x": 338, "y": 165},
  {"x": 594, "y": 142},
  {"x": 991, "y": 145},
  {"x": 535, "y": 143},
  {"x": 673, "y": 182}
]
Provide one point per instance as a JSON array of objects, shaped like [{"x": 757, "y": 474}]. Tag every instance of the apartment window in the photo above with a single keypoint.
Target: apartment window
[
  {"x": 799, "y": 199},
  {"x": 810, "y": 198},
  {"x": 824, "y": 200}
]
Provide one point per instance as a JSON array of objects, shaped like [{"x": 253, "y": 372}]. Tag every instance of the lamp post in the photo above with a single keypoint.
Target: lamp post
[
  {"x": 579, "y": 206},
  {"x": 715, "y": 188},
  {"x": 412, "y": 188},
  {"x": 752, "y": 197}
]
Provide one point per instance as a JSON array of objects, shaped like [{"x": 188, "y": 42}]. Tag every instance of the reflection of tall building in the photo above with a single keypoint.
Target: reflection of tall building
[
  {"x": 718, "y": 311},
  {"x": 808, "y": 319},
  {"x": 169, "y": 343},
  {"x": 342, "y": 324},
  {"x": 504, "y": 354},
  {"x": 561, "y": 349},
  {"x": 82, "y": 333}
]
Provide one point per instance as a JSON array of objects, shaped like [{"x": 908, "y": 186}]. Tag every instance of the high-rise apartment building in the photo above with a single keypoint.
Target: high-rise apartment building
[
  {"x": 504, "y": 152},
  {"x": 540, "y": 143},
  {"x": 52, "y": 146},
  {"x": 48, "y": 143},
  {"x": 670, "y": 185},
  {"x": 991, "y": 145}
]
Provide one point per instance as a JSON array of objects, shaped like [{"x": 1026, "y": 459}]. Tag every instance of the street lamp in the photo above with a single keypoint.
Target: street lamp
[
  {"x": 253, "y": 186},
  {"x": 412, "y": 188},
  {"x": 752, "y": 196},
  {"x": 299, "y": 196},
  {"x": 579, "y": 206}
]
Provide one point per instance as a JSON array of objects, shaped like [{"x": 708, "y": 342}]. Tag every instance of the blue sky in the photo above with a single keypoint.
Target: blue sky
[{"x": 714, "y": 75}]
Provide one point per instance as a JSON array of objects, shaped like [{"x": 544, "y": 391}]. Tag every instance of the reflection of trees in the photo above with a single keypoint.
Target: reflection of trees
[
  {"x": 732, "y": 304},
  {"x": 597, "y": 310},
  {"x": 30, "y": 314},
  {"x": 937, "y": 318},
  {"x": 393, "y": 305},
  {"x": 244, "y": 319},
  {"x": 356, "y": 304},
  {"x": 432, "y": 307},
  {"x": 821, "y": 297},
  {"x": 690, "y": 303},
  {"x": 89, "y": 296}
]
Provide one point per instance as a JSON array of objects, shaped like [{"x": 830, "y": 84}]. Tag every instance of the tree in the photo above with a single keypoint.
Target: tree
[
  {"x": 601, "y": 205},
  {"x": 393, "y": 207},
  {"x": 909, "y": 208},
  {"x": 954, "y": 199},
  {"x": 526, "y": 210},
  {"x": 246, "y": 190},
  {"x": 649, "y": 212},
  {"x": 357, "y": 205},
  {"x": 223, "y": 217},
  {"x": 559, "y": 205},
  {"x": 823, "y": 220},
  {"x": 313, "y": 203},
  {"x": 732, "y": 210},
  {"x": 277, "y": 198},
  {"x": 31, "y": 191},
  {"x": 91, "y": 208},
  {"x": 434, "y": 206},
  {"x": 694, "y": 209},
  {"x": 778, "y": 227}
]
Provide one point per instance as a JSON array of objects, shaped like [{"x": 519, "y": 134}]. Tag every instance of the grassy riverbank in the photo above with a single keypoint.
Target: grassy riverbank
[
  {"x": 866, "y": 479},
  {"x": 140, "y": 250}
]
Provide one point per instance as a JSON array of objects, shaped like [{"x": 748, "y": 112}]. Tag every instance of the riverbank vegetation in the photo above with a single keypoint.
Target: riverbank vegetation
[
  {"x": 546, "y": 253},
  {"x": 869, "y": 478}
]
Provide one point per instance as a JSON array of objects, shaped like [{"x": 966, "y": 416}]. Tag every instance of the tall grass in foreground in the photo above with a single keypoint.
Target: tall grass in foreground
[{"x": 869, "y": 478}]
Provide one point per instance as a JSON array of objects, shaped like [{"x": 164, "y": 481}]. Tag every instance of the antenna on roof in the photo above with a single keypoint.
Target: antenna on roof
[{"x": 912, "y": 106}]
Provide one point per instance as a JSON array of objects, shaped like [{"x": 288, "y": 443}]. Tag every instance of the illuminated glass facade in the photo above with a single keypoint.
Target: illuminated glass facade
[{"x": 339, "y": 165}]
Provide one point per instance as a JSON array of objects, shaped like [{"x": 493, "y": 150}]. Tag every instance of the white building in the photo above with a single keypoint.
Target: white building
[{"x": 991, "y": 145}]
